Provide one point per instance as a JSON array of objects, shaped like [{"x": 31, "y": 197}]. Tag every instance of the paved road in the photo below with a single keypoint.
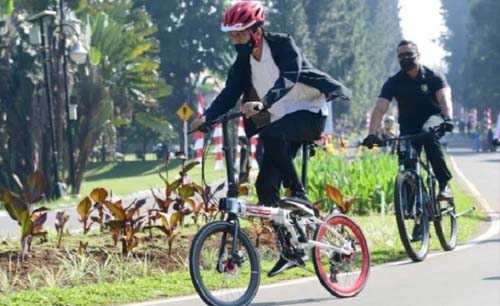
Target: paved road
[{"x": 470, "y": 275}]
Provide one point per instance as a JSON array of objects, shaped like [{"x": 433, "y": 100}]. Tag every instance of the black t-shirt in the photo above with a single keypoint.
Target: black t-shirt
[{"x": 416, "y": 97}]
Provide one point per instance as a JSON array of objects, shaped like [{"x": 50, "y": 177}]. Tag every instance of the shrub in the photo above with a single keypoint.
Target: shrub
[
  {"x": 367, "y": 176},
  {"x": 20, "y": 209}
]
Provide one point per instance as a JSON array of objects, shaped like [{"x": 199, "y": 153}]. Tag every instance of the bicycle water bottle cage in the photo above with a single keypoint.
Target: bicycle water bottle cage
[{"x": 300, "y": 207}]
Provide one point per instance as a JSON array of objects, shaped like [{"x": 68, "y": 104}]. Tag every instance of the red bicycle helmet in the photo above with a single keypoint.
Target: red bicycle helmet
[{"x": 242, "y": 15}]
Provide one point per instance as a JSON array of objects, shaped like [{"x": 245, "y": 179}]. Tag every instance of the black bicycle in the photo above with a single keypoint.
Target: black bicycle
[
  {"x": 416, "y": 202},
  {"x": 224, "y": 263}
]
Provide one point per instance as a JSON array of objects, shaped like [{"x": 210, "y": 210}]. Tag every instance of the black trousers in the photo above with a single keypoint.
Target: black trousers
[
  {"x": 435, "y": 155},
  {"x": 281, "y": 141}
]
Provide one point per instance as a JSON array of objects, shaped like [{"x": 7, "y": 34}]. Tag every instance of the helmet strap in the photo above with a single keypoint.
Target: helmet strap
[{"x": 257, "y": 41}]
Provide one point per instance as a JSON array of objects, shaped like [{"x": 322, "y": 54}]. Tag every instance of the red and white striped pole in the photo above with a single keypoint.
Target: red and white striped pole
[
  {"x": 253, "y": 150},
  {"x": 241, "y": 132},
  {"x": 497, "y": 131},
  {"x": 218, "y": 147},
  {"x": 487, "y": 118},
  {"x": 198, "y": 136},
  {"x": 473, "y": 118}
]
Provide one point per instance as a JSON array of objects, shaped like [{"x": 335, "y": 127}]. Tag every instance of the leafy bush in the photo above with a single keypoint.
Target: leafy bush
[
  {"x": 21, "y": 209},
  {"x": 367, "y": 176}
]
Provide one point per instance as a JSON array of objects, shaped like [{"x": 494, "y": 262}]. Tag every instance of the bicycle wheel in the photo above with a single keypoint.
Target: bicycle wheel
[
  {"x": 446, "y": 225},
  {"x": 342, "y": 275},
  {"x": 413, "y": 223},
  {"x": 216, "y": 277}
]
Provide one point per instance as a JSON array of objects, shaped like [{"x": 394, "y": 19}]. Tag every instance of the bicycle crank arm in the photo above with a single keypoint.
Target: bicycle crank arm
[{"x": 466, "y": 212}]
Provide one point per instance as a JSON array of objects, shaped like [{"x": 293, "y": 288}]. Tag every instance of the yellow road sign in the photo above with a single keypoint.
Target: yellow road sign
[{"x": 184, "y": 112}]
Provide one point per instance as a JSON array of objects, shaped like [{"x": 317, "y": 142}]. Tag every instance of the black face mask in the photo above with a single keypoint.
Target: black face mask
[
  {"x": 408, "y": 64},
  {"x": 245, "y": 49}
]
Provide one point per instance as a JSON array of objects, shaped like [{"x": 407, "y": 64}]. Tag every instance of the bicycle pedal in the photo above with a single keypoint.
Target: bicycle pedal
[{"x": 301, "y": 261}]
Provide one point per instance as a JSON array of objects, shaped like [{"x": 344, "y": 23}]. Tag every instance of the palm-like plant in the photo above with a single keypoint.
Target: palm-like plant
[{"x": 123, "y": 77}]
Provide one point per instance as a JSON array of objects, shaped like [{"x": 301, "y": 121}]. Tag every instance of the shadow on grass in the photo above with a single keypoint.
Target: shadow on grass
[{"x": 126, "y": 169}]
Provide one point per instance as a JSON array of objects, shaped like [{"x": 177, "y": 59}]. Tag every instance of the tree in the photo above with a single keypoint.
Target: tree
[
  {"x": 123, "y": 82},
  {"x": 281, "y": 12},
  {"x": 191, "y": 44},
  {"x": 17, "y": 88},
  {"x": 457, "y": 17},
  {"x": 479, "y": 79}
]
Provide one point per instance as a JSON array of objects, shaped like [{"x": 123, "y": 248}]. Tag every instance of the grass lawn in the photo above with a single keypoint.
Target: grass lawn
[{"x": 381, "y": 232}]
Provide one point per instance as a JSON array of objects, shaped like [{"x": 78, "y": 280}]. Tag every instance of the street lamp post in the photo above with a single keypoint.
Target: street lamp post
[
  {"x": 78, "y": 53},
  {"x": 62, "y": 45},
  {"x": 39, "y": 19}
]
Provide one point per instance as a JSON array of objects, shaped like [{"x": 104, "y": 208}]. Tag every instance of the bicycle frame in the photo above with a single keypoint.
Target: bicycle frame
[
  {"x": 407, "y": 155},
  {"x": 235, "y": 207}
]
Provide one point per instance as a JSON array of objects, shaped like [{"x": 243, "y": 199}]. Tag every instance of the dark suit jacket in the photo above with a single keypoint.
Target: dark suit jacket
[{"x": 293, "y": 67}]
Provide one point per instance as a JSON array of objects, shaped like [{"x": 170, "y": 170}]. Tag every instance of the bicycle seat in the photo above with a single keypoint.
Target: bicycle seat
[{"x": 297, "y": 205}]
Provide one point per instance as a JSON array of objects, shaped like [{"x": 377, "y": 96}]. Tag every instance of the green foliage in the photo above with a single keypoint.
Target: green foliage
[
  {"x": 190, "y": 44},
  {"x": 124, "y": 77},
  {"x": 20, "y": 209},
  {"x": 457, "y": 16},
  {"x": 366, "y": 177},
  {"x": 478, "y": 76},
  {"x": 6, "y": 7},
  {"x": 125, "y": 224}
]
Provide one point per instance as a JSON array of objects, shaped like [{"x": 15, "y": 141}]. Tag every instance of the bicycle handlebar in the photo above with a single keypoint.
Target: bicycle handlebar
[
  {"x": 223, "y": 118},
  {"x": 410, "y": 137}
]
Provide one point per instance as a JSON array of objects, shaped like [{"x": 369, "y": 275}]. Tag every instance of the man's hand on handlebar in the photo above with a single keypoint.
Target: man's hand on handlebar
[
  {"x": 195, "y": 125},
  {"x": 447, "y": 125},
  {"x": 373, "y": 140},
  {"x": 252, "y": 108}
]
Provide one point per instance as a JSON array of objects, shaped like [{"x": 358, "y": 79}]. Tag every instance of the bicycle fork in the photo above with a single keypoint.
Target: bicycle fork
[{"x": 234, "y": 257}]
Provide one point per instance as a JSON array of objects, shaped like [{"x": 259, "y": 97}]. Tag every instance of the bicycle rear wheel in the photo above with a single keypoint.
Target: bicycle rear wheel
[
  {"x": 413, "y": 223},
  {"x": 343, "y": 275},
  {"x": 218, "y": 279},
  {"x": 446, "y": 225}
]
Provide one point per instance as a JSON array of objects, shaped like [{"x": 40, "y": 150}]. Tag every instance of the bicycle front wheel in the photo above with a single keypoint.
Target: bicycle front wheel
[
  {"x": 413, "y": 222},
  {"x": 342, "y": 274},
  {"x": 446, "y": 225},
  {"x": 220, "y": 279}
]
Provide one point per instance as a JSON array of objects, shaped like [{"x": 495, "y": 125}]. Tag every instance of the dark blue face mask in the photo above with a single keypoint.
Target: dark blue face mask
[{"x": 245, "y": 49}]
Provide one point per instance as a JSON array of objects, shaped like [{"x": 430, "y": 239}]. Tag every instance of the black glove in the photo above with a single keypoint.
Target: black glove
[
  {"x": 447, "y": 125},
  {"x": 496, "y": 142},
  {"x": 372, "y": 140}
]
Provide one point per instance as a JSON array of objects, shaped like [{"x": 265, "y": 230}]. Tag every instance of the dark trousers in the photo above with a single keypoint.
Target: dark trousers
[
  {"x": 281, "y": 141},
  {"x": 436, "y": 157}
]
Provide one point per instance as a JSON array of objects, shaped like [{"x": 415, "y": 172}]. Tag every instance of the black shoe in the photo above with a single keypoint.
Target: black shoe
[
  {"x": 284, "y": 264},
  {"x": 417, "y": 233},
  {"x": 444, "y": 193},
  {"x": 302, "y": 197}
]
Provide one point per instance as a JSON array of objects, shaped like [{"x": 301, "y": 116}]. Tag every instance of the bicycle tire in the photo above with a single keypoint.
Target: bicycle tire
[
  {"x": 198, "y": 246},
  {"x": 448, "y": 240},
  {"x": 402, "y": 200},
  {"x": 330, "y": 282}
]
